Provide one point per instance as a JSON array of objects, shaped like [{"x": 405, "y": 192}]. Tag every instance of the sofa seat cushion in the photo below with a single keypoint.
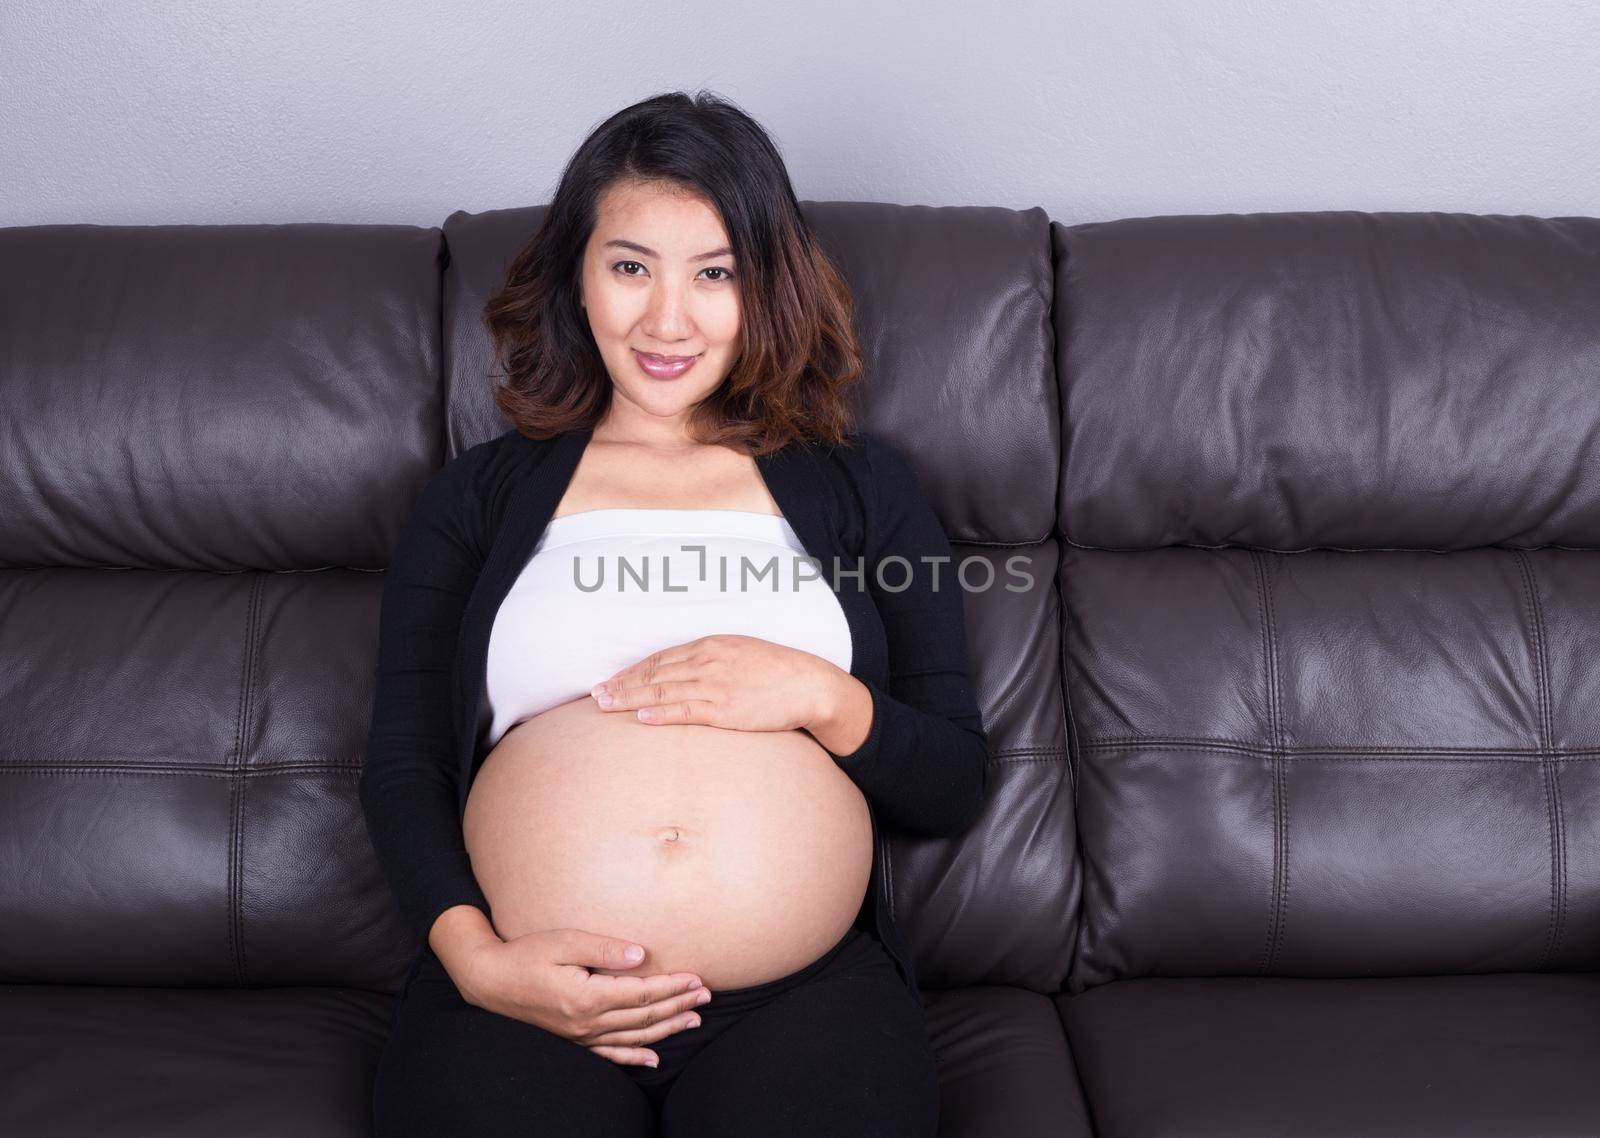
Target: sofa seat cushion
[
  {"x": 1410, "y": 1057},
  {"x": 189, "y": 1062},
  {"x": 1004, "y": 1066}
]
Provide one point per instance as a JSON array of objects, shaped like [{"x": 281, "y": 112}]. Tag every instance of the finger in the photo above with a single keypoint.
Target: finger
[
  {"x": 608, "y": 993},
  {"x": 675, "y": 654},
  {"x": 654, "y": 694},
  {"x": 628, "y": 1056},
  {"x": 613, "y": 689},
  {"x": 678, "y": 671},
  {"x": 641, "y": 1036},
  {"x": 642, "y": 677},
  {"x": 632, "y": 673},
  {"x": 635, "y": 1019},
  {"x": 702, "y": 711}
]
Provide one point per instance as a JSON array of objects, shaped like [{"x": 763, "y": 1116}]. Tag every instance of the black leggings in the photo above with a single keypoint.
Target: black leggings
[{"x": 839, "y": 1047}]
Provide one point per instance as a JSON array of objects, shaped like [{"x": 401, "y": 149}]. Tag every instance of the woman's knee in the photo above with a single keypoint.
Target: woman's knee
[{"x": 452, "y": 1068}]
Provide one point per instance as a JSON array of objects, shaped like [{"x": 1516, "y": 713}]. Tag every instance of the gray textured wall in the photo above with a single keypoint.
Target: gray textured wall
[{"x": 289, "y": 110}]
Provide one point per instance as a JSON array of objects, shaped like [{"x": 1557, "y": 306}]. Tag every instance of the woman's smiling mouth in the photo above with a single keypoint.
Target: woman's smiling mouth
[{"x": 663, "y": 367}]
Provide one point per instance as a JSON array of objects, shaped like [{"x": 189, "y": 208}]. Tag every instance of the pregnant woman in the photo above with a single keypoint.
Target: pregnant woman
[{"x": 654, "y": 667}]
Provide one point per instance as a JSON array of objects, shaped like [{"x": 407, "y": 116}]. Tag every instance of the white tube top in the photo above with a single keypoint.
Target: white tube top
[{"x": 605, "y": 588}]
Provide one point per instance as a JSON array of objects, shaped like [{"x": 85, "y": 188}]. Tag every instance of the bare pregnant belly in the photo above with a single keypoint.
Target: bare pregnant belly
[{"x": 740, "y": 856}]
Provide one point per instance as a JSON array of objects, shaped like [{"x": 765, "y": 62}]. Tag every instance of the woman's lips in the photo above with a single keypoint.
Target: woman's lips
[{"x": 664, "y": 367}]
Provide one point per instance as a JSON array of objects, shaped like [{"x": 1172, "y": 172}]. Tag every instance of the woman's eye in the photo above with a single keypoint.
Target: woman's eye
[{"x": 727, "y": 275}]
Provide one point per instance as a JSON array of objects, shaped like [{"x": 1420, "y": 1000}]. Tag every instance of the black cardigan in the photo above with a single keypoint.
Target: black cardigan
[{"x": 474, "y": 527}]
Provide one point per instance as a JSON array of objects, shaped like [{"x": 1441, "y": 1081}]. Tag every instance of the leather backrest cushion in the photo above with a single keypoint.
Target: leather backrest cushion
[
  {"x": 1331, "y": 499},
  {"x": 213, "y": 435}
]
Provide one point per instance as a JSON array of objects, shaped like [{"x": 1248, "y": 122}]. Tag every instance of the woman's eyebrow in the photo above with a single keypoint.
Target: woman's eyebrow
[{"x": 638, "y": 248}]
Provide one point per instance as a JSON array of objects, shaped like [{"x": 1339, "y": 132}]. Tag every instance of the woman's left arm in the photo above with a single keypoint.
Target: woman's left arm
[{"x": 924, "y": 760}]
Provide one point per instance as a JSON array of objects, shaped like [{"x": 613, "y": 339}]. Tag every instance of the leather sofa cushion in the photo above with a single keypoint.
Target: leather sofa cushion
[{"x": 1480, "y": 1056}]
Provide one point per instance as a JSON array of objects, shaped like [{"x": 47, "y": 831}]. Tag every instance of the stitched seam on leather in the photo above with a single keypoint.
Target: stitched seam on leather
[
  {"x": 1275, "y": 757},
  {"x": 257, "y": 632},
  {"x": 1178, "y": 742},
  {"x": 1283, "y": 905},
  {"x": 1399, "y": 758},
  {"x": 1051, "y": 755},
  {"x": 1263, "y": 962},
  {"x": 1280, "y": 765},
  {"x": 253, "y": 646},
  {"x": 237, "y": 785},
  {"x": 1074, "y": 758},
  {"x": 1311, "y": 548},
  {"x": 1561, "y": 826},
  {"x": 1065, "y": 688},
  {"x": 114, "y": 769},
  {"x": 1545, "y": 774},
  {"x": 1547, "y": 770},
  {"x": 232, "y": 762}
]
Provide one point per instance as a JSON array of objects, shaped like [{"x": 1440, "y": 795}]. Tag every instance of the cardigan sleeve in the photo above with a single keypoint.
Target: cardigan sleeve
[
  {"x": 409, "y": 779},
  {"x": 924, "y": 761}
]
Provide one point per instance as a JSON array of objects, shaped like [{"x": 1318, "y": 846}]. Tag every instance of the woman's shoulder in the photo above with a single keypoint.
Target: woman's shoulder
[
  {"x": 875, "y": 465},
  {"x": 501, "y": 458},
  {"x": 479, "y": 475},
  {"x": 873, "y": 487}
]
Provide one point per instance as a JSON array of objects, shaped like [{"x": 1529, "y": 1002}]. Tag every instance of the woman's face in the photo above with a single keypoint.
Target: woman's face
[{"x": 659, "y": 279}]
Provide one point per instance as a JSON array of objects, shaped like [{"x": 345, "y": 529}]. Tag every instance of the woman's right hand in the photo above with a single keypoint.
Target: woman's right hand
[{"x": 544, "y": 978}]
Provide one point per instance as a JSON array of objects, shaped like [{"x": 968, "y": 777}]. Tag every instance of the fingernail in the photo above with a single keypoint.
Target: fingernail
[
  {"x": 634, "y": 952},
  {"x": 696, "y": 1022},
  {"x": 604, "y": 699},
  {"x": 702, "y": 998},
  {"x": 652, "y": 1062}
]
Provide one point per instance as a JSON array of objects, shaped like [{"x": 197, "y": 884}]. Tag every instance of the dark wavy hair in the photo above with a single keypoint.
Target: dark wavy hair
[{"x": 799, "y": 355}]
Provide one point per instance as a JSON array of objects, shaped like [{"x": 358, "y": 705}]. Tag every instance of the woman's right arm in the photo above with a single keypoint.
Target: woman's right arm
[
  {"x": 409, "y": 782},
  {"x": 409, "y": 788}
]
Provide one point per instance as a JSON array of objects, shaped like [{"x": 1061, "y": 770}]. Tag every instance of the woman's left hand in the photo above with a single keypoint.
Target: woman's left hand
[{"x": 739, "y": 682}]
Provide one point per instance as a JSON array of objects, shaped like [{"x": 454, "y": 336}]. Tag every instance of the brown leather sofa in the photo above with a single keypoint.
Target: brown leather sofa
[{"x": 1293, "y": 823}]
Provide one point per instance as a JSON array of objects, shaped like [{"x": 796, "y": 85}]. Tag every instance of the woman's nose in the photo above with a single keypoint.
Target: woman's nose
[{"x": 669, "y": 312}]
